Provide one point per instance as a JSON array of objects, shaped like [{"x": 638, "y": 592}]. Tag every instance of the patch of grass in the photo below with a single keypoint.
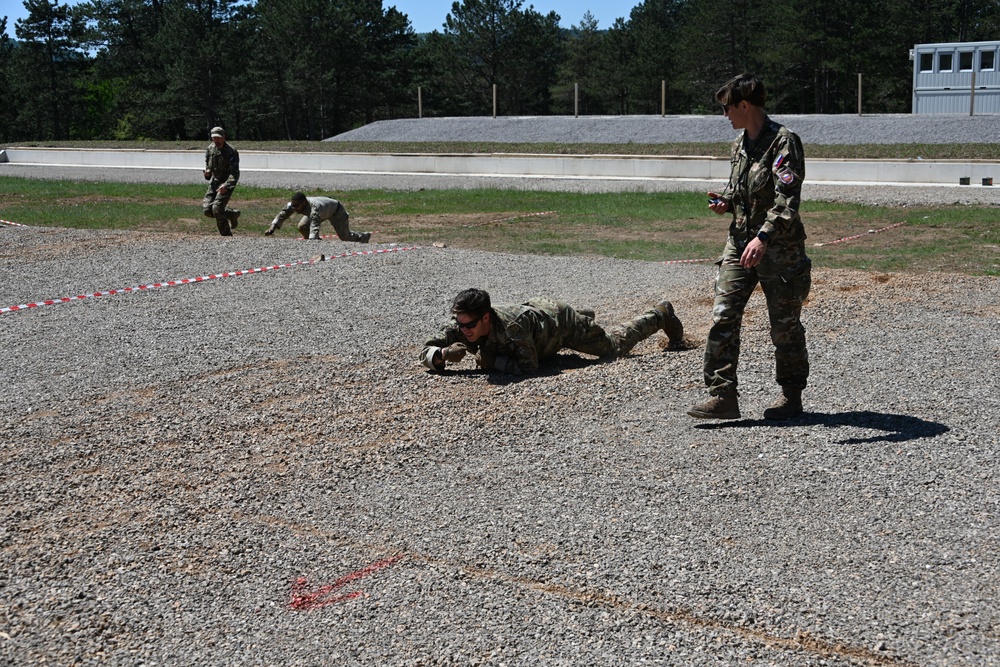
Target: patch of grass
[{"x": 641, "y": 226}]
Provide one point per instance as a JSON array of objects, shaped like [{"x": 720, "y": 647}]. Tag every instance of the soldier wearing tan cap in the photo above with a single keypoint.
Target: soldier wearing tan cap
[{"x": 222, "y": 171}]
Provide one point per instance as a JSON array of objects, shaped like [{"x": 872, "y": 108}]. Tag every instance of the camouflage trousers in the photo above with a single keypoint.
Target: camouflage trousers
[
  {"x": 582, "y": 334},
  {"x": 785, "y": 296},
  {"x": 309, "y": 226},
  {"x": 216, "y": 206}
]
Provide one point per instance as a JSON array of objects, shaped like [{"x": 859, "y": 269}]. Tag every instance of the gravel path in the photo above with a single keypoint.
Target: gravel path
[
  {"x": 883, "y": 195},
  {"x": 187, "y": 470}
]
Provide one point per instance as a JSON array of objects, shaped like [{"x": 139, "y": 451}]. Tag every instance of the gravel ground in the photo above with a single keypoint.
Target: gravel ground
[
  {"x": 175, "y": 460},
  {"x": 187, "y": 470}
]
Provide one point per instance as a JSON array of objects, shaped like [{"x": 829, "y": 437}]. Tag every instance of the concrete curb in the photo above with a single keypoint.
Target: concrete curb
[{"x": 604, "y": 167}]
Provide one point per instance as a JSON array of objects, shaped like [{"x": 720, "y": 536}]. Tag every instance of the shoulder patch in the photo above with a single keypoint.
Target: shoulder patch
[
  {"x": 786, "y": 176},
  {"x": 778, "y": 161}
]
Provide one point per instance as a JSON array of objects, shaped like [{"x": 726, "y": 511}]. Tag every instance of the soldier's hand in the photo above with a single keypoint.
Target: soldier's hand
[
  {"x": 717, "y": 203},
  {"x": 454, "y": 353},
  {"x": 481, "y": 362}
]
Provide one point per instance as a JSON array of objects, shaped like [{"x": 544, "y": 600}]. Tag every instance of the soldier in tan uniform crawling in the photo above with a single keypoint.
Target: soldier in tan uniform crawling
[
  {"x": 314, "y": 210},
  {"x": 766, "y": 245},
  {"x": 222, "y": 171},
  {"x": 514, "y": 338}
]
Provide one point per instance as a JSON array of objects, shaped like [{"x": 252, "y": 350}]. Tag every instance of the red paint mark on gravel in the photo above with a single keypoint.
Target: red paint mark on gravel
[{"x": 306, "y": 597}]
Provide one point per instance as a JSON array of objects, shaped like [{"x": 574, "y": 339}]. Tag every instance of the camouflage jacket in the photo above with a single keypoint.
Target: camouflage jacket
[
  {"x": 224, "y": 163},
  {"x": 520, "y": 335},
  {"x": 764, "y": 194},
  {"x": 317, "y": 208}
]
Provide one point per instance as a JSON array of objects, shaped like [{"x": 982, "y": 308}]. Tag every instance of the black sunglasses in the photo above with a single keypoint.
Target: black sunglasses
[{"x": 471, "y": 324}]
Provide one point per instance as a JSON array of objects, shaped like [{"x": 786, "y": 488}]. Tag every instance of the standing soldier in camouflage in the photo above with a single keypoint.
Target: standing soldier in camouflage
[
  {"x": 514, "y": 338},
  {"x": 222, "y": 171},
  {"x": 766, "y": 245},
  {"x": 314, "y": 210}
]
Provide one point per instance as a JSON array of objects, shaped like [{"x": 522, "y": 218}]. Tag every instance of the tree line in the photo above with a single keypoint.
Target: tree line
[{"x": 309, "y": 69}]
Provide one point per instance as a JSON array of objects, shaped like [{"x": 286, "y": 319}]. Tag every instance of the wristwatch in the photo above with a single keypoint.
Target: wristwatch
[{"x": 764, "y": 237}]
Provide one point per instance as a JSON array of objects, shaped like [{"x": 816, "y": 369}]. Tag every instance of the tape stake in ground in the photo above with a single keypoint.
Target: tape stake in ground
[
  {"x": 858, "y": 236},
  {"x": 199, "y": 279},
  {"x": 306, "y": 598},
  {"x": 12, "y": 224}
]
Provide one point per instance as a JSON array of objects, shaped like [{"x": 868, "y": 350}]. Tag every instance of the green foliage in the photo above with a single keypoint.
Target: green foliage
[
  {"x": 308, "y": 69},
  {"x": 45, "y": 67},
  {"x": 489, "y": 43}
]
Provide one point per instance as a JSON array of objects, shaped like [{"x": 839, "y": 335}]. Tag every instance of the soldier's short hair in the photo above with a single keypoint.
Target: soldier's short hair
[
  {"x": 745, "y": 86},
  {"x": 475, "y": 302},
  {"x": 298, "y": 198}
]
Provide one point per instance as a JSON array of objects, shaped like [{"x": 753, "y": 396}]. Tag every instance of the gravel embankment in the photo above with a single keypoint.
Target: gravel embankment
[
  {"x": 175, "y": 460},
  {"x": 814, "y": 129}
]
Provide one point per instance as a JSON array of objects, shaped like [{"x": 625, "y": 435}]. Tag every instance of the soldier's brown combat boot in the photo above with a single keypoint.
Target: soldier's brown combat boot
[
  {"x": 671, "y": 324},
  {"x": 788, "y": 405},
  {"x": 586, "y": 311},
  {"x": 726, "y": 406}
]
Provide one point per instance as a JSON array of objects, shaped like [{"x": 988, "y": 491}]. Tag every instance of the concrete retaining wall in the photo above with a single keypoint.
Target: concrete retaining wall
[{"x": 929, "y": 172}]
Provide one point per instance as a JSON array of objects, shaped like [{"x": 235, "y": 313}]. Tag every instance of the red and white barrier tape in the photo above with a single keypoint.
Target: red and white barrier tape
[
  {"x": 688, "y": 261},
  {"x": 858, "y": 236},
  {"x": 525, "y": 215},
  {"x": 199, "y": 279},
  {"x": 513, "y": 217},
  {"x": 12, "y": 224},
  {"x": 324, "y": 236}
]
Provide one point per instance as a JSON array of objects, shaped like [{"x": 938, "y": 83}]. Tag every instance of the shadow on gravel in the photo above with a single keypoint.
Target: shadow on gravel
[
  {"x": 896, "y": 428},
  {"x": 557, "y": 365},
  {"x": 562, "y": 363}
]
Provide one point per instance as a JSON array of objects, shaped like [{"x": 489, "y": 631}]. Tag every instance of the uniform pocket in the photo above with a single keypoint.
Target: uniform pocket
[{"x": 796, "y": 270}]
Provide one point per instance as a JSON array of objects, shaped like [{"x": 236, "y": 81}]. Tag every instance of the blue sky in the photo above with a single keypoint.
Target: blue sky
[{"x": 428, "y": 15}]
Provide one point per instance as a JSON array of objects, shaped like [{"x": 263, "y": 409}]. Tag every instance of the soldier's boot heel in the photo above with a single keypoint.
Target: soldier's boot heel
[
  {"x": 725, "y": 406},
  {"x": 786, "y": 406},
  {"x": 671, "y": 324}
]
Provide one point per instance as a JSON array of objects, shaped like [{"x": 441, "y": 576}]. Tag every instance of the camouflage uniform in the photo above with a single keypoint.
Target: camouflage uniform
[
  {"x": 224, "y": 165},
  {"x": 764, "y": 193},
  {"x": 521, "y": 335},
  {"x": 317, "y": 210}
]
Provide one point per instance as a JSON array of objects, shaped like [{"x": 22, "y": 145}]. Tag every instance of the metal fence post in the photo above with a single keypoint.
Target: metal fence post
[
  {"x": 972, "y": 94},
  {"x": 859, "y": 93}
]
